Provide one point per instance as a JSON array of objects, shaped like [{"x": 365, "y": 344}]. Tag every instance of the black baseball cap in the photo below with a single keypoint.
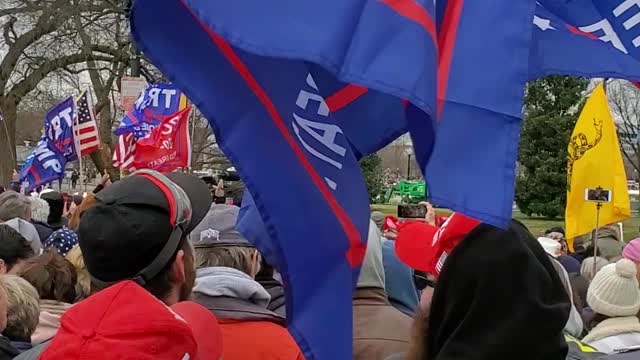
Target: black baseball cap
[{"x": 128, "y": 229}]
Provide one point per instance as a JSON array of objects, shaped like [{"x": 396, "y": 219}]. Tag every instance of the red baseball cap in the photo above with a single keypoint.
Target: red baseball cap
[
  {"x": 125, "y": 321},
  {"x": 204, "y": 326},
  {"x": 425, "y": 247}
]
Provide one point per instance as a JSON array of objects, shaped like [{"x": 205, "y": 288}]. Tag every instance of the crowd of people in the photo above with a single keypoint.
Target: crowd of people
[{"x": 152, "y": 266}]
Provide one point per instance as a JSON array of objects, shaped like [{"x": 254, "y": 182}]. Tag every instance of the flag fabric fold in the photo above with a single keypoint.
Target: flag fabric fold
[
  {"x": 595, "y": 161},
  {"x": 480, "y": 99},
  {"x": 167, "y": 147},
  {"x": 564, "y": 43},
  {"x": 270, "y": 119}
]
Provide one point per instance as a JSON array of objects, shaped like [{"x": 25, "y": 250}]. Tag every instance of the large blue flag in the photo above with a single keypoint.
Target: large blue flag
[
  {"x": 587, "y": 45},
  {"x": 55, "y": 148},
  {"x": 154, "y": 105},
  {"x": 271, "y": 121},
  {"x": 483, "y": 68}
]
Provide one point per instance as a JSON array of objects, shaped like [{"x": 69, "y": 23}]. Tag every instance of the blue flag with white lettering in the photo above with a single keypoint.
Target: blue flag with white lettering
[
  {"x": 272, "y": 122},
  {"x": 483, "y": 68},
  {"x": 578, "y": 38},
  {"x": 55, "y": 148},
  {"x": 154, "y": 105}
]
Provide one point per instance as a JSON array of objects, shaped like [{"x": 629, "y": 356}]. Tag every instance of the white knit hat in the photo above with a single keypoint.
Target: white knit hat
[{"x": 614, "y": 291}]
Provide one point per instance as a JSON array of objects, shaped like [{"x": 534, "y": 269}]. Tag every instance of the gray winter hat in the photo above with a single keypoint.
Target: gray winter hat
[
  {"x": 218, "y": 228},
  {"x": 28, "y": 231}
]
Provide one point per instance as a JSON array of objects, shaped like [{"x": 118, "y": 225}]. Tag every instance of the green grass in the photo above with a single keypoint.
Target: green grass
[{"x": 536, "y": 225}]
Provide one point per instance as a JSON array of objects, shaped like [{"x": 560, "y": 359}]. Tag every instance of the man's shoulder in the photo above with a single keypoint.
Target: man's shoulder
[{"x": 34, "y": 353}]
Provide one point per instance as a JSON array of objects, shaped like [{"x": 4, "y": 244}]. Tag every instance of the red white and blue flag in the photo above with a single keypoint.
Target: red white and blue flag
[{"x": 85, "y": 128}]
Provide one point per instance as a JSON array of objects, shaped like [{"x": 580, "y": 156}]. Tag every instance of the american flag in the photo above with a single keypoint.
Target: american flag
[
  {"x": 123, "y": 153},
  {"x": 85, "y": 129}
]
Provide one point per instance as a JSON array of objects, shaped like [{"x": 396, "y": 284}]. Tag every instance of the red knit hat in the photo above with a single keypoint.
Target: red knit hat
[
  {"x": 125, "y": 321},
  {"x": 425, "y": 247}
]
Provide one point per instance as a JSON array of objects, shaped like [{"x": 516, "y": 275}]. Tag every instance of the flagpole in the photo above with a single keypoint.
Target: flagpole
[{"x": 76, "y": 141}]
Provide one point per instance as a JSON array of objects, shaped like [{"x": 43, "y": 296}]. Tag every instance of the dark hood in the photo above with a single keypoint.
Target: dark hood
[
  {"x": 498, "y": 297},
  {"x": 7, "y": 351}
]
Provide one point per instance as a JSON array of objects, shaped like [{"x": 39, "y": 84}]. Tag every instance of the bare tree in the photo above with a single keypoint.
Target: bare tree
[
  {"x": 624, "y": 99},
  {"x": 205, "y": 150},
  {"x": 39, "y": 39}
]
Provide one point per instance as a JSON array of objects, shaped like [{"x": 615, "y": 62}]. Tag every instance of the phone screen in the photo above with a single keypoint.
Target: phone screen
[{"x": 412, "y": 211}]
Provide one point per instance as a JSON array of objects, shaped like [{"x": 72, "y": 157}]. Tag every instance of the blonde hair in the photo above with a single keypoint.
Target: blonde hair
[
  {"x": 87, "y": 202},
  {"x": 237, "y": 257},
  {"x": 83, "y": 288},
  {"x": 23, "y": 308}
]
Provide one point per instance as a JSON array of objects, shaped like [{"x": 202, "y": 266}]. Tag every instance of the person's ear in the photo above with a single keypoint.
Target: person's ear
[
  {"x": 255, "y": 263},
  {"x": 178, "y": 268},
  {"x": 3, "y": 267}
]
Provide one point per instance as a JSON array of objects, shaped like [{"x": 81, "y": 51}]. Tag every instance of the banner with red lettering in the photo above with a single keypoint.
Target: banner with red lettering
[{"x": 167, "y": 147}]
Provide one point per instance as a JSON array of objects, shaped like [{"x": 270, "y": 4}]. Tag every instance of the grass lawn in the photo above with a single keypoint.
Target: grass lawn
[{"x": 536, "y": 225}]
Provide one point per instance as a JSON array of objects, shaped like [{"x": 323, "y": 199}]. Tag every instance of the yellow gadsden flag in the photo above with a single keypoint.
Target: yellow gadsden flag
[{"x": 595, "y": 160}]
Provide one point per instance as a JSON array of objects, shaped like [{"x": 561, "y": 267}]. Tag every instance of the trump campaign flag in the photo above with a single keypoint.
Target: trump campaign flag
[
  {"x": 154, "y": 105},
  {"x": 55, "y": 148},
  {"x": 578, "y": 40},
  {"x": 595, "y": 161},
  {"x": 271, "y": 121},
  {"x": 167, "y": 147},
  {"x": 482, "y": 71}
]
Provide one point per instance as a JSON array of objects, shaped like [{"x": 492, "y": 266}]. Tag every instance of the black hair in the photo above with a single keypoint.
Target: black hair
[
  {"x": 557, "y": 229},
  {"x": 13, "y": 246}
]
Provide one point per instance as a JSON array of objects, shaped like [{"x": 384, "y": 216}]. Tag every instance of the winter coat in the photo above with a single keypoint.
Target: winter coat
[
  {"x": 379, "y": 329},
  {"x": 249, "y": 330},
  {"x": 574, "y": 326},
  {"x": 614, "y": 333},
  {"x": 7, "y": 350},
  {"x": 49, "y": 323},
  {"x": 34, "y": 353},
  {"x": 399, "y": 285},
  {"x": 276, "y": 291},
  {"x": 44, "y": 230}
]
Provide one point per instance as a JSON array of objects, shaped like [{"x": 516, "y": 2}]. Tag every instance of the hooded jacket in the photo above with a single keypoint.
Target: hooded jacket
[
  {"x": 498, "y": 297},
  {"x": 7, "y": 350},
  {"x": 49, "y": 320},
  {"x": 379, "y": 329},
  {"x": 249, "y": 330}
]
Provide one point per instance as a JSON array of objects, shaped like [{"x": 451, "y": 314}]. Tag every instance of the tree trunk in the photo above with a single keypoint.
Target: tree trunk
[{"x": 7, "y": 140}]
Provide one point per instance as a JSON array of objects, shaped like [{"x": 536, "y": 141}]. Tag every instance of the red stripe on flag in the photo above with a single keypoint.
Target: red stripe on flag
[
  {"x": 90, "y": 150},
  {"x": 88, "y": 140},
  {"x": 577, "y": 31},
  {"x": 356, "y": 251},
  {"x": 86, "y": 130},
  {"x": 345, "y": 96},
  {"x": 35, "y": 174},
  {"x": 446, "y": 45},
  {"x": 415, "y": 12}
]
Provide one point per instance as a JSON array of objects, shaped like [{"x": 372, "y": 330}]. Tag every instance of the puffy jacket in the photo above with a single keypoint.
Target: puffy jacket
[{"x": 249, "y": 330}]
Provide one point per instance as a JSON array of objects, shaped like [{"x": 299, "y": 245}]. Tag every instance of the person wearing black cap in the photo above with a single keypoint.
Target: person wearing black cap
[{"x": 138, "y": 230}]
